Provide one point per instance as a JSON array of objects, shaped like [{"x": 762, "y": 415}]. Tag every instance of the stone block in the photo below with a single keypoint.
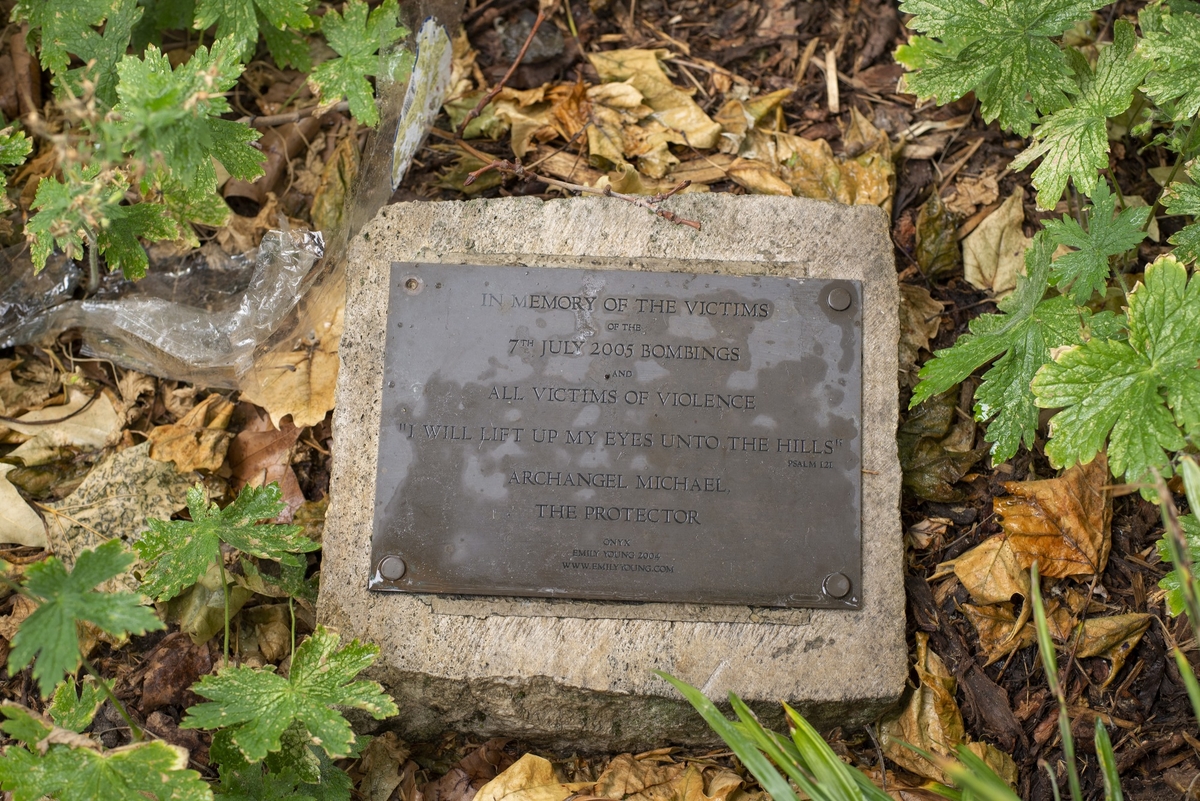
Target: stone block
[{"x": 577, "y": 673}]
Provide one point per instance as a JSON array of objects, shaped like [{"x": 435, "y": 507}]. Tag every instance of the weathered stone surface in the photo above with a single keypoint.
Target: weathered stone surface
[{"x": 580, "y": 673}]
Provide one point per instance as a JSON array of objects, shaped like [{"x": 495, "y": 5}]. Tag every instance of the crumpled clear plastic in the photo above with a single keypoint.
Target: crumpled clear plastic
[{"x": 179, "y": 322}]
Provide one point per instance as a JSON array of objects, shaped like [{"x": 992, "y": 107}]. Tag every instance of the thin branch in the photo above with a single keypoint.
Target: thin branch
[
  {"x": 495, "y": 90},
  {"x": 293, "y": 116},
  {"x": 650, "y": 203}
]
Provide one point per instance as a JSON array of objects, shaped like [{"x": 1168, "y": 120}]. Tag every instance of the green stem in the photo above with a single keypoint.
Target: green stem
[
  {"x": 1157, "y": 207},
  {"x": 134, "y": 729},
  {"x": 571, "y": 20},
  {"x": 225, "y": 590},
  {"x": 93, "y": 265}
]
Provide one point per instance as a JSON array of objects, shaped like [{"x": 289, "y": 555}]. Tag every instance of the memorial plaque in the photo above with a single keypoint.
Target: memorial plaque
[{"x": 620, "y": 435}]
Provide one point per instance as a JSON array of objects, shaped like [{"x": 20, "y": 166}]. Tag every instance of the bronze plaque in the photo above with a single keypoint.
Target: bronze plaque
[{"x": 620, "y": 435}]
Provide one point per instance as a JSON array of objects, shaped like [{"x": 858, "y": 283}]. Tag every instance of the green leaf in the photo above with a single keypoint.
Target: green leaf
[
  {"x": 72, "y": 711},
  {"x": 100, "y": 53},
  {"x": 14, "y": 147},
  {"x": 288, "y": 48},
  {"x": 257, "y": 706},
  {"x": 178, "y": 552},
  {"x": 67, "y": 598},
  {"x": 118, "y": 240},
  {"x": 1009, "y": 60},
  {"x": 1021, "y": 336},
  {"x": 357, "y": 37},
  {"x": 1086, "y": 270},
  {"x": 1184, "y": 198},
  {"x": 1137, "y": 394},
  {"x": 240, "y": 20},
  {"x": 320, "y": 780},
  {"x": 63, "y": 23},
  {"x": 161, "y": 15},
  {"x": 1073, "y": 141},
  {"x": 139, "y": 772},
  {"x": 171, "y": 118},
  {"x": 1175, "y": 53},
  {"x": 1173, "y": 581},
  {"x": 88, "y": 203}
]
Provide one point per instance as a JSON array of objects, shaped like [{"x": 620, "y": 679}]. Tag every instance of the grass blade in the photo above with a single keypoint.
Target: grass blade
[{"x": 1108, "y": 764}]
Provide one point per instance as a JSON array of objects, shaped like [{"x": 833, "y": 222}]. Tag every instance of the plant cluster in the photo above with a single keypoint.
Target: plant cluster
[
  {"x": 274, "y": 736},
  {"x": 140, "y": 133},
  {"x": 1127, "y": 378}
]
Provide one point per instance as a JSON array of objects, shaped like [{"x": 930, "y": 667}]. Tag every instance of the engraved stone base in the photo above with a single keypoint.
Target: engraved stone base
[{"x": 580, "y": 673}]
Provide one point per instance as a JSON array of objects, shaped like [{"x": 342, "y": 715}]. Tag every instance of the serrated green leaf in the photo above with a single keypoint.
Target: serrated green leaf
[
  {"x": 159, "y": 16},
  {"x": 1137, "y": 394},
  {"x": 240, "y": 19},
  {"x": 1020, "y": 339},
  {"x": 67, "y": 598},
  {"x": 1184, "y": 198},
  {"x": 1173, "y": 582},
  {"x": 288, "y": 48},
  {"x": 1009, "y": 60},
  {"x": 14, "y": 147},
  {"x": 920, "y": 51},
  {"x": 69, "y": 211},
  {"x": 139, "y": 772},
  {"x": 23, "y": 724},
  {"x": 62, "y": 24},
  {"x": 357, "y": 37},
  {"x": 1086, "y": 270},
  {"x": 1175, "y": 53},
  {"x": 256, "y": 706},
  {"x": 73, "y": 710},
  {"x": 100, "y": 53},
  {"x": 170, "y": 118},
  {"x": 1073, "y": 142},
  {"x": 118, "y": 240},
  {"x": 178, "y": 552},
  {"x": 242, "y": 781}
]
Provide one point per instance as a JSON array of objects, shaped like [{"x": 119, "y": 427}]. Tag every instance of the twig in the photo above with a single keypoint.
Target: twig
[
  {"x": 648, "y": 203},
  {"x": 495, "y": 90},
  {"x": 56, "y": 420},
  {"x": 292, "y": 116}
]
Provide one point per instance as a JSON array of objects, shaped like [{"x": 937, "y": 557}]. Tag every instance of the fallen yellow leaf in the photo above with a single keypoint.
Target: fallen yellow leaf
[
  {"x": 300, "y": 382},
  {"x": 1064, "y": 523},
  {"x": 530, "y": 778},
  {"x": 199, "y": 441},
  {"x": 931, "y": 720},
  {"x": 991, "y": 572},
  {"x": 994, "y": 253}
]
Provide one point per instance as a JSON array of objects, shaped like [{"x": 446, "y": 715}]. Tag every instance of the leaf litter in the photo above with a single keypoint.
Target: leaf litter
[{"x": 773, "y": 130}]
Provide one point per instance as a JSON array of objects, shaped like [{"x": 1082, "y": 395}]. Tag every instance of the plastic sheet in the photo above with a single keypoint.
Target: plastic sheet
[{"x": 181, "y": 323}]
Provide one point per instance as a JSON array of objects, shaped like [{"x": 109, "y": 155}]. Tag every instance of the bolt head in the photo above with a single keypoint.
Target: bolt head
[
  {"x": 392, "y": 567},
  {"x": 836, "y": 585},
  {"x": 839, "y": 299}
]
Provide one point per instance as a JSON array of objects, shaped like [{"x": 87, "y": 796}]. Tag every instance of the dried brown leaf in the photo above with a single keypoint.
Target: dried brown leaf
[
  {"x": 674, "y": 108},
  {"x": 991, "y": 572},
  {"x": 931, "y": 720},
  {"x": 1064, "y": 523},
  {"x": 972, "y": 191},
  {"x": 995, "y": 625},
  {"x": 18, "y": 522},
  {"x": 197, "y": 442},
  {"x": 300, "y": 382},
  {"x": 261, "y": 454},
  {"x": 530, "y": 778},
  {"x": 920, "y": 318},
  {"x": 114, "y": 501},
  {"x": 626, "y": 776},
  {"x": 937, "y": 250},
  {"x": 994, "y": 253},
  {"x": 1112, "y": 638},
  {"x": 91, "y": 428},
  {"x": 337, "y": 177}
]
